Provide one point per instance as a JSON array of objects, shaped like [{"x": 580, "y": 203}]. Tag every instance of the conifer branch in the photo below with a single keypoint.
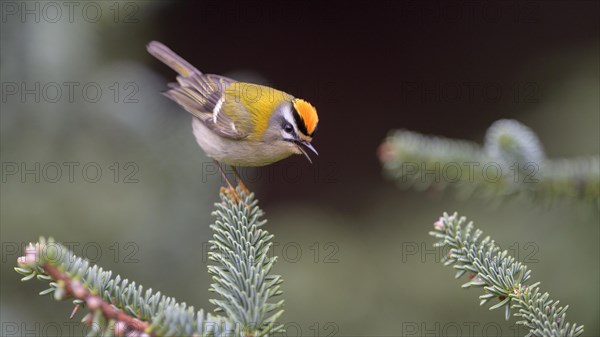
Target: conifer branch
[
  {"x": 122, "y": 308},
  {"x": 511, "y": 163},
  {"x": 501, "y": 277},
  {"x": 73, "y": 288},
  {"x": 242, "y": 273}
]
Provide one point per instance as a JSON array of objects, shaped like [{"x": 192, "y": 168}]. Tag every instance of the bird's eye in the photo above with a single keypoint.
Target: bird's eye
[{"x": 288, "y": 128}]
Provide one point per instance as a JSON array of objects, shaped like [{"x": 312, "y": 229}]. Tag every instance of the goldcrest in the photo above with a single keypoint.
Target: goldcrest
[{"x": 238, "y": 123}]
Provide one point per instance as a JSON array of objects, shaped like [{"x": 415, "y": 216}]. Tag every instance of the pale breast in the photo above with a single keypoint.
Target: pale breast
[{"x": 239, "y": 152}]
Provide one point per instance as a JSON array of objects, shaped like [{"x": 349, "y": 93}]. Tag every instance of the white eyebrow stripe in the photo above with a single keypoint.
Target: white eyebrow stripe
[
  {"x": 217, "y": 108},
  {"x": 290, "y": 119}
]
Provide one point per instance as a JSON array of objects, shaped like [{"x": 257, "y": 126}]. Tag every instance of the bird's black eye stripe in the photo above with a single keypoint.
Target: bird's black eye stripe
[{"x": 299, "y": 121}]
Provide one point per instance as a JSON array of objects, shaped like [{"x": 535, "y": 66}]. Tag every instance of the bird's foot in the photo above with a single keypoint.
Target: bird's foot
[
  {"x": 243, "y": 187},
  {"x": 240, "y": 182},
  {"x": 231, "y": 194}
]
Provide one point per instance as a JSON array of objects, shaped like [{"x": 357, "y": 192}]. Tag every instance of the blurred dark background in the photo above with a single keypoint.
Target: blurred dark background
[{"x": 445, "y": 68}]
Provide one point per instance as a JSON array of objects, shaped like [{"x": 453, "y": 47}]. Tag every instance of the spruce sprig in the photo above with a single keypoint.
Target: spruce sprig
[
  {"x": 242, "y": 273},
  {"x": 511, "y": 163},
  {"x": 120, "y": 307},
  {"x": 112, "y": 302},
  {"x": 502, "y": 277}
]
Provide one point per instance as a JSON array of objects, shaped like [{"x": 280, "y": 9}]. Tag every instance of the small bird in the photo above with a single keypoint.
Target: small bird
[{"x": 239, "y": 123}]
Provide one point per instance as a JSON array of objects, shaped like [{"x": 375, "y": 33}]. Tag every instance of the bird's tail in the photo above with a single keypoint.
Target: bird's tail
[{"x": 168, "y": 57}]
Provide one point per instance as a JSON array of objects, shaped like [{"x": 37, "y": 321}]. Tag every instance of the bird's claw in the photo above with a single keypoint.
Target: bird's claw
[
  {"x": 243, "y": 188},
  {"x": 231, "y": 194}
]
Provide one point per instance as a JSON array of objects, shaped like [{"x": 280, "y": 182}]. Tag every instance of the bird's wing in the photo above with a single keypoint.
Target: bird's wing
[
  {"x": 232, "y": 109},
  {"x": 204, "y": 97}
]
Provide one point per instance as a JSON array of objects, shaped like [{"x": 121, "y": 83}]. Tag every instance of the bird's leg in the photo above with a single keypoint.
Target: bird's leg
[
  {"x": 223, "y": 174},
  {"x": 240, "y": 181},
  {"x": 229, "y": 191}
]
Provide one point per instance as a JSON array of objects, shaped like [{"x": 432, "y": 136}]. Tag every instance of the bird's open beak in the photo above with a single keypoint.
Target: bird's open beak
[{"x": 309, "y": 146}]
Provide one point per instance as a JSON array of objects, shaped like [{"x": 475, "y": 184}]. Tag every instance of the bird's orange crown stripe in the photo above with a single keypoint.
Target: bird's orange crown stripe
[{"x": 307, "y": 113}]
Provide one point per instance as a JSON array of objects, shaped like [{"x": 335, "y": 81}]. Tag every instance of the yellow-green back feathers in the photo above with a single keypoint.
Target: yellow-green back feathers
[{"x": 248, "y": 104}]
